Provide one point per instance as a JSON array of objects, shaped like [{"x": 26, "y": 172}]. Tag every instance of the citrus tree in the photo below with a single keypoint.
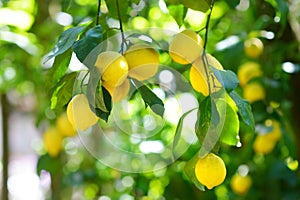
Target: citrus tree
[{"x": 171, "y": 99}]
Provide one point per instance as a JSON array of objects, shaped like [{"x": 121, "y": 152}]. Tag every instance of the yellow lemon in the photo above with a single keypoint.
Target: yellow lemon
[
  {"x": 198, "y": 76},
  {"x": 240, "y": 184},
  {"x": 52, "y": 141},
  {"x": 254, "y": 92},
  {"x": 186, "y": 47},
  {"x": 263, "y": 145},
  {"x": 113, "y": 68},
  {"x": 64, "y": 126},
  {"x": 119, "y": 92},
  {"x": 79, "y": 112},
  {"x": 210, "y": 170},
  {"x": 253, "y": 47},
  {"x": 143, "y": 61},
  {"x": 275, "y": 134},
  {"x": 248, "y": 71}
]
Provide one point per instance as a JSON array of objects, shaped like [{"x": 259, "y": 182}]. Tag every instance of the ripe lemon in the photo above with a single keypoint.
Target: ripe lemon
[
  {"x": 263, "y": 145},
  {"x": 210, "y": 170},
  {"x": 143, "y": 61},
  {"x": 64, "y": 126},
  {"x": 119, "y": 92},
  {"x": 253, "y": 47},
  {"x": 275, "y": 134},
  {"x": 198, "y": 76},
  {"x": 248, "y": 71},
  {"x": 254, "y": 92},
  {"x": 240, "y": 184},
  {"x": 186, "y": 47},
  {"x": 52, "y": 141},
  {"x": 113, "y": 68},
  {"x": 79, "y": 113}
]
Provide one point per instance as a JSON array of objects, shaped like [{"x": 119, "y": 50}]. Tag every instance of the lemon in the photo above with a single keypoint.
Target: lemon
[
  {"x": 79, "y": 113},
  {"x": 253, "y": 47},
  {"x": 64, "y": 126},
  {"x": 248, "y": 71},
  {"x": 210, "y": 170},
  {"x": 52, "y": 141},
  {"x": 263, "y": 145},
  {"x": 119, "y": 92},
  {"x": 143, "y": 61},
  {"x": 198, "y": 76},
  {"x": 254, "y": 92},
  {"x": 275, "y": 134},
  {"x": 186, "y": 47},
  {"x": 113, "y": 68},
  {"x": 240, "y": 184}
]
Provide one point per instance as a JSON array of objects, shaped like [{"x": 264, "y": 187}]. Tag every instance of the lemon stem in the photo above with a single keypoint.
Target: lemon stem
[
  {"x": 204, "y": 58},
  {"x": 121, "y": 26},
  {"x": 98, "y": 12}
]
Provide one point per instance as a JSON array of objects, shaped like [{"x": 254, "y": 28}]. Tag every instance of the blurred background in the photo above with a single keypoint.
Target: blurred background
[{"x": 269, "y": 80}]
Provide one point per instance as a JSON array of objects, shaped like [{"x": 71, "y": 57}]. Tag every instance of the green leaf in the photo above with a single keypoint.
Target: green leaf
[
  {"x": 228, "y": 79},
  {"x": 105, "y": 97},
  {"x": 189, "y": 170},
  {"x": 178, "y": 12},
  {"x": 207, "y": 125},
  {"x": 65, "y": 41},
  {"x": 150, "y": 98},
  {"x": 63, "y": 92},
  {"x": 87, "y": 44},
  {"x": 233, "y": 3},
  {"x": 99, "y": 98},
  {"x": 136, "y": 1},
  {"x": 244, "y": 110},
  {"x": 202, "y": 5},
  {"x": 230, "y": 127},
  {"x": 65, "y": 5},
  {"x": 48, "y": 163},
  {"x": 179, "y": 128},
  {"x": 113, "y": 11},
  {"x": 58, "y": 69}
]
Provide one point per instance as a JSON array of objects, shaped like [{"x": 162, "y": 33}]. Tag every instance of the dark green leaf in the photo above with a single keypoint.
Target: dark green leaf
[
  {"x": 105, "y": 97},
  {"x": 87, "y": 44},
  {"x": 244, "y": 110},
  {"x": 63, "y": 92},
  {"x": 189, "y": 170},
  {"x": 150, "y": 98},
  {"x": 58, "y": 69},
  {"x": 49, "y": 164},
  {"x": 179, "y": 129},
  {"x": 65, "y": 41},
  {"x": 284, "y": 10},
  {"x": 113, "y": 11},
  {"x": 99, "y": 98},
  {"x": 65, "y": 5},
  {"x": 233, "y": 3},
  {"x": 178, "y": 12},
  {"x": 228, "y": 79},
  {"x": 202, "y": 5}
]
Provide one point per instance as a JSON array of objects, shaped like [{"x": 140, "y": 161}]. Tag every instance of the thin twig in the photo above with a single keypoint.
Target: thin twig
[
  {"x": 204, "y": 58},
  {"x": 98, "y": 12},
  {"x": 121, "y": 26}
]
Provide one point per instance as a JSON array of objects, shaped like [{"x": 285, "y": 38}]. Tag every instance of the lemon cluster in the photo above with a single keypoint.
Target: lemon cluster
[
  {"x": 140, "y": 61},
  {"x": 265, "y": 143},
  {"x": 252, "y": 90},
  {"x": 187, "y": 48},
  {"x": 54, "y": 135}
]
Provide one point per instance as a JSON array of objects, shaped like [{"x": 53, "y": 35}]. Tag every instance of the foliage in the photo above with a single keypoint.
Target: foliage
[{"x": 227, "y": 124}]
